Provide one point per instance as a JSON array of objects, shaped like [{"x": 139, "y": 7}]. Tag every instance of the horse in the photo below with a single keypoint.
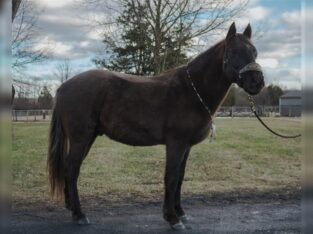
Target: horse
[{"x": 174, "y": 109}]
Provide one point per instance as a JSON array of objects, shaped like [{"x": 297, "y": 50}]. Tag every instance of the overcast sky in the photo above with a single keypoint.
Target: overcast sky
[{"x": 62, "y": 28}]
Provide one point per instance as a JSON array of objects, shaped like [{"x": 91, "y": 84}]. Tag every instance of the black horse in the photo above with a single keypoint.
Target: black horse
[{"x": 174, "y": 109}]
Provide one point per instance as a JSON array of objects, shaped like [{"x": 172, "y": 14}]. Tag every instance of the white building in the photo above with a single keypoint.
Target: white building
[{"x": 290, "y": 104}]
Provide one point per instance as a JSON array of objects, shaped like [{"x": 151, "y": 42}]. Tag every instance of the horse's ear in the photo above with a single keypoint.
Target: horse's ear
[
  {"x": 231, "y": 31},
  {"x": 248, "y": 31}
]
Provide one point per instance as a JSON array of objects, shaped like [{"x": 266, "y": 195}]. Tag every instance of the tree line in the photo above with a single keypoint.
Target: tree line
[
  {"x": 42, "y": 100},
  {"x": 269, "y": 96}
]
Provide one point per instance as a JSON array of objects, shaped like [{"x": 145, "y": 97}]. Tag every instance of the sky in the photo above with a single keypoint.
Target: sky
[{"x": 64, "y": 30}]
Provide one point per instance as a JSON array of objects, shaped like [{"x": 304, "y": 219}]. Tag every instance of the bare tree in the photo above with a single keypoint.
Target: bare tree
[
  {"x": 200, "y": 17},
  {"x": 195, "y": 18},
  {"x": 15, "y": 6},
  {"x": 63, "y": 70},
  {"x": 30, "y": 88},
  {"x": 24, "y": 35}
]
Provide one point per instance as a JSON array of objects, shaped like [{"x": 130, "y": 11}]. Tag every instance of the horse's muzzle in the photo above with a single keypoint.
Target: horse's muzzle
[{"x": 252, "y": 82}]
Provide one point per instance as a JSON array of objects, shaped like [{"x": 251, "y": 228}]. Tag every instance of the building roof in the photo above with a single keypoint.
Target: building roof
[{"x": 292, "y": 94}]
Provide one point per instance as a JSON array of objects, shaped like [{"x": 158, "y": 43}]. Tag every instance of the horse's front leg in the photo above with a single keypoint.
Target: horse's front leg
[
  {"x": 175, "y": 152},
  {"x": 178, "y": 208}
]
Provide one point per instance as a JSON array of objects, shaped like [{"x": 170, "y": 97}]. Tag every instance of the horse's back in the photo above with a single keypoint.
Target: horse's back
[{"x": 92, "y": 80}]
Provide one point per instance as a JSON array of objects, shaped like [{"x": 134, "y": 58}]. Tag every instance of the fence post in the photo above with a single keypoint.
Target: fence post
[{"x": 232, "y": 111}]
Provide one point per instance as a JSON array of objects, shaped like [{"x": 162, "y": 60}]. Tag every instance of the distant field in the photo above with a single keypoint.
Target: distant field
[{"x": 244, "y": 157}]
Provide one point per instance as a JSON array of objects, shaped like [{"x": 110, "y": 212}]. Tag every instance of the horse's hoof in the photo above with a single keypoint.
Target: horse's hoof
[
  {"x": 185, "y": 218},
  {"x": 178, "y": 226},
  {"x": 82, "y": 221}
]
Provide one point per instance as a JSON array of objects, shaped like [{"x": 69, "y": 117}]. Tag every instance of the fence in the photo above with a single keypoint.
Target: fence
[
  {"x": 244, "y": 111},
  {"x": 224, "y": 111},
  {"x": 31, "y": 115}
]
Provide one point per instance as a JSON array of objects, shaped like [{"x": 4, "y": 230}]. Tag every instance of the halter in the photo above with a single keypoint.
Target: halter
[
  {"x": 253, "y": 66},
  {"x": 250, "y": 67}
]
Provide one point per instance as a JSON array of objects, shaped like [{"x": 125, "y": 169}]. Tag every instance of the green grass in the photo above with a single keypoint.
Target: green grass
[{"x": 245, "y": 156}]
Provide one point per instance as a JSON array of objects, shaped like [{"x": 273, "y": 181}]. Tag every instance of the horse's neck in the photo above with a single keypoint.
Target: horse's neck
[{"x": 207, "y": 74}]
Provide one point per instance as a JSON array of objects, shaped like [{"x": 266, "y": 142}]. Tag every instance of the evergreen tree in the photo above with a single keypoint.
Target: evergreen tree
[
  {"x": 137, "y": 51},
  {"x": 45, "y": 99},
  {"x": 173, "y": 49},
  {"x": 134, "y": 55},
  {"x": 274, "y": 93}
]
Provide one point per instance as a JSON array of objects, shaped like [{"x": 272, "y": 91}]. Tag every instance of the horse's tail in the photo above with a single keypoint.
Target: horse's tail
[{"x": 56, "y": 154}]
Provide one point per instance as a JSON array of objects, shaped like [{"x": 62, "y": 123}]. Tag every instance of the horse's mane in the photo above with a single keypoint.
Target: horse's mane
[{"x": 217, "y": 50}]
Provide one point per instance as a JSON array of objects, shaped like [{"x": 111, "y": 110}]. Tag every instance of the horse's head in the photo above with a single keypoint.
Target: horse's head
[{"x": 239, "y": 61}]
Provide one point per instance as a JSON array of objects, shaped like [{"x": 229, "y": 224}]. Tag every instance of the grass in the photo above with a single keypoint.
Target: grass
[{"x": 244, "y": 157}]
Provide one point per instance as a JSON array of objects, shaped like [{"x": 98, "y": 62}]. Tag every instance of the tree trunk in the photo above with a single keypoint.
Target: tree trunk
[
  {"x": 15, "y": 5},
  {"x": 158, "y": 40}
]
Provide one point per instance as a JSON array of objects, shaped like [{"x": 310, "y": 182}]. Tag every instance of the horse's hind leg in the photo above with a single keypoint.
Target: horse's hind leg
[
  {"x": 73, "y": 161},
  {"x": 66, "y": 187},
  {"x": 66, "y": 196}
]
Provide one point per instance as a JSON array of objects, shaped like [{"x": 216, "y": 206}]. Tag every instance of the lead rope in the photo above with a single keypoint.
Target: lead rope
[{"x": 253, "y": 109}]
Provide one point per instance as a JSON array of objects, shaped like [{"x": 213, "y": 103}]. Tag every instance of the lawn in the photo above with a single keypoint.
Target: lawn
[{"x": 244, "y": 157}]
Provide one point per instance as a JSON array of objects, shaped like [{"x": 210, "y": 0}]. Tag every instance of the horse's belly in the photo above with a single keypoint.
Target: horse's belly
[
  {"x": 200, "y": 136},
  {"x": 133, "y": 135}
]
